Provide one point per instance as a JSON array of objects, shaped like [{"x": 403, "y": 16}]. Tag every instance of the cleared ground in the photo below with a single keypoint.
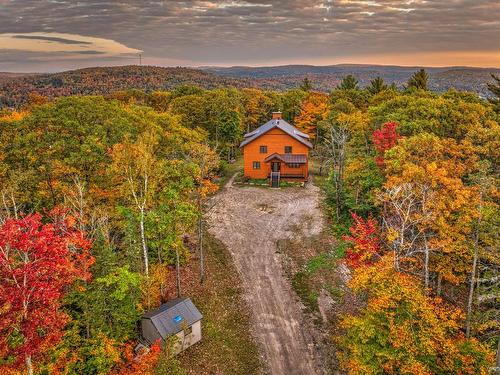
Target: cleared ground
[{"x": 251, "y": 221}]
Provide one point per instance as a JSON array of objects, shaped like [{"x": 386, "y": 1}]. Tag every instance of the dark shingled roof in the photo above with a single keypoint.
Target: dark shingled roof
[
  {"x": 288, "y": 158},
  {"x": 170, "y": 317},
  {"x": 280, "y": 124}
]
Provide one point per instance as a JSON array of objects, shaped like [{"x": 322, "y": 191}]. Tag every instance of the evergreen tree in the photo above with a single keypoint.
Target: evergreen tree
[
  {"x": 306, "y": 85},
  {"x": 349, "y": 82},
  {"x": 377, "y": 85},
  {"x": 419, "y": 80},
  {"x": 494, "y": 88}
]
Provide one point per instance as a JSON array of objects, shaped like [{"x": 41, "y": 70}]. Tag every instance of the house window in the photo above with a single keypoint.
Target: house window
[
  {"x": 256, "y": 165},
  {"x": 263, "y": 149},
  {"x": 288, "y": 149},
  {"x": 294, "y": 165}
]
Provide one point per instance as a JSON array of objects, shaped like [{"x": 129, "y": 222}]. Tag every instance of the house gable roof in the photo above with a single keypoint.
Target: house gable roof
[
  {"x": 171, "y": 317},
  {"x": 279, "y": 124}
]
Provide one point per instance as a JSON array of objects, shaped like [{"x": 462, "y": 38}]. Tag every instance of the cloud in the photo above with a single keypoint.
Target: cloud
[
  {"x": 63, "y": 46},
  {"x": 51, "y": 39},
  {"x": 265, "y": 32}
]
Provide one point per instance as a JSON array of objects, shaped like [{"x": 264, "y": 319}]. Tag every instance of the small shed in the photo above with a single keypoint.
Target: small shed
[{"x": 179, "y": 318}]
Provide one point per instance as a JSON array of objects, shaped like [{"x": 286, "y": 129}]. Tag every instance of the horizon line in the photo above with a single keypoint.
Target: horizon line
[{"x": 204, "y": 67}]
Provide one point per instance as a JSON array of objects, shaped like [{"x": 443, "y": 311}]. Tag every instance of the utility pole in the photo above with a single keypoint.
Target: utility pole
[{"x": 140, "y": 58}]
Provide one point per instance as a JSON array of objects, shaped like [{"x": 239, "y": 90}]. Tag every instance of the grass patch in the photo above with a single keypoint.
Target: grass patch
[
  {"x": 339, "y": 250},
  {"x": 335, "y": 291},
  {"x": 291, "y": 184},
  {"x": 300, "y": 283},
  {"x": 318, "y": 262},
  {"x": 227, "y": 170},
  {"x": 227, "y": 346},
  {"x": 255, "y": 181},
  {"x": 310, "y": 265},
  {"x": 308, "y": 282}
]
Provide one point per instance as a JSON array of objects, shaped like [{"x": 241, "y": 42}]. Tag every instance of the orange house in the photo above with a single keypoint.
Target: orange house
[{"x": 276, "y": 151}]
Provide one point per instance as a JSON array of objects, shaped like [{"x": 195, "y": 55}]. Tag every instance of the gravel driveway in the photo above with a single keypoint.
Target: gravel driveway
[{"x": 250, "y": 221}]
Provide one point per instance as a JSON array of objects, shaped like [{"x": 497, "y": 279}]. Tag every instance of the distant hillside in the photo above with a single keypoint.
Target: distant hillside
[
  {"x": 5, "y": 76},
  {"x": 325, "y": 78},
  {"x": 15, "y": 88},
  {"x": 14, "y": 91}
]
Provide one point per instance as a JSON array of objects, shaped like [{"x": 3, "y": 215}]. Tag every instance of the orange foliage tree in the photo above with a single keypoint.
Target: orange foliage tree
[
  {"x": 142, "y": 364},
  {"x": 312, "y": 110},
  {"x": 403, "y": 331}
]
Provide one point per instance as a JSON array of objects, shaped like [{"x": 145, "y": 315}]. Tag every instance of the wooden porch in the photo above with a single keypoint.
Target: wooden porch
[{"x": 287, "y": 167}]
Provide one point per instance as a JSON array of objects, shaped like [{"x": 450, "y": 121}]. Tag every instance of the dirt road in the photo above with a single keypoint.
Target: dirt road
[{"x": 250, "y": 221}]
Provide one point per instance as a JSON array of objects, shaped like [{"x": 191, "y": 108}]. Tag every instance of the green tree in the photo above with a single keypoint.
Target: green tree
[
  {"x": 257, "y": 107},
  {"x": 419, "y": 80},
  {"x": 306, "y": 85},
  {"x": 291, "y": 101},
  {"x": 494, "y": 88},
  {"x": 377, "y": 85},
  {"x": 185, "y": 90},
  {"x": 139, "y": 174},
  {"x": 349, "y": 82},
  {"x": 61, "y": 140},
  {"x": 445, "y": 116},
  {"x": 362, "y": 180}
]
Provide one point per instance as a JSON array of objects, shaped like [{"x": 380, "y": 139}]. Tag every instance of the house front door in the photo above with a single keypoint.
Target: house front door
[{"x": 275, "y": 176}]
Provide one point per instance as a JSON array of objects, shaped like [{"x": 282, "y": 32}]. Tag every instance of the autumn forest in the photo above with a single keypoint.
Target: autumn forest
[{"x": 103, "y": 205}]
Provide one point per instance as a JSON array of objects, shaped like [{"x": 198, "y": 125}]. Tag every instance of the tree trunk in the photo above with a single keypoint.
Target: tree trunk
[
  {"x": 472, "y": 280},
  {"x": 438, "y": 289},
  {"x": 337, "y": 195},
  {"x": 426, "y": 266},
  {"x": 14, "y": 205},
  {"x": 177, "y": 272},
  {"x": 144, "y": 246},
  {"x": 29, "y": 365},
  {"x": 202, "y": 256},
  {"x": 497, "y": 371}
]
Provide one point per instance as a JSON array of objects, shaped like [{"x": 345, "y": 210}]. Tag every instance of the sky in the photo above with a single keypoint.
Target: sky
[{"x": 55, "y": 35}]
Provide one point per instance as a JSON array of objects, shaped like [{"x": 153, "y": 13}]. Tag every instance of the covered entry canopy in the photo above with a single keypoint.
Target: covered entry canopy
[{"x": 287, "y": 158}]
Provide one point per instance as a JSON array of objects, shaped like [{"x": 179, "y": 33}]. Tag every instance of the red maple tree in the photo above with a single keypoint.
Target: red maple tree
[
  {"x": 365, "y": 243},
  {"x": 384, "y": 139},
  {"x": 37, "y": 264}
]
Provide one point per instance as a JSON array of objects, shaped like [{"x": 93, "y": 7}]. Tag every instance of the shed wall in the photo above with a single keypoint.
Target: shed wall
[
  {"x": 149, "y": 332},
  {"x": 184, "y": 341}
]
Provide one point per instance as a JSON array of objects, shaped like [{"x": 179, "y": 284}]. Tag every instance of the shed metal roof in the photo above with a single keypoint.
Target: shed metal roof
[
  {"x": 171, "y": 317},
  {"x": 280, "y": 124},
  {"x": 288, "y": 158}
]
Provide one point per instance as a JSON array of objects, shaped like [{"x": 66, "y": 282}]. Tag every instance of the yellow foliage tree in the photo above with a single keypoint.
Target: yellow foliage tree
[
  {"x": 429, "y": 210},
  {"x": 403, "y": 331}
]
